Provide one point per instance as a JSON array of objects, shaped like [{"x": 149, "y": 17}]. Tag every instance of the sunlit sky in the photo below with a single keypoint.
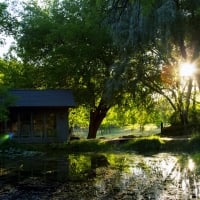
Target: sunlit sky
[{"x": 187, "y": 69}]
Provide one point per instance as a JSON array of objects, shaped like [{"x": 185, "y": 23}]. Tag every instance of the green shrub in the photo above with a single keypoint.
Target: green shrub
[{"x": 145, "y": 144}]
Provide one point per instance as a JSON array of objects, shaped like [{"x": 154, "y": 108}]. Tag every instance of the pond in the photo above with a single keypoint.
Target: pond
[{"x": 100, "y": 176}]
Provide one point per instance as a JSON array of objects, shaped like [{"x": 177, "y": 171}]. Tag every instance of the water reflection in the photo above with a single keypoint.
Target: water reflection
[{"x": 107, "y": 176}]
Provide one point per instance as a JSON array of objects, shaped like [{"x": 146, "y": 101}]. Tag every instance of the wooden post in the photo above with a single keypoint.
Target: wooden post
[{"x": 161, "y": 127}]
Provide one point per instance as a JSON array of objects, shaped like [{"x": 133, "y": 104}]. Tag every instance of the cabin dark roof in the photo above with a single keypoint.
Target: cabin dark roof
[{"x": 42, "y": 98}]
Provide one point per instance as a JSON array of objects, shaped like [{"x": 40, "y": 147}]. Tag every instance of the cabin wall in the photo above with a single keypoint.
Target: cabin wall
[
  {"x": 62, "y": 126},
  {"x": 38, "y": 125}
]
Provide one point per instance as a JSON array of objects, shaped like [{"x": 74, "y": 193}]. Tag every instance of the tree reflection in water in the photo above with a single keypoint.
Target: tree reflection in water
[{"x": 105, "y": 176}]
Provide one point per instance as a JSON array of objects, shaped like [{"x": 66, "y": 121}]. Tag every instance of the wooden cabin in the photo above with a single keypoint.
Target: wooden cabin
[{"x": 39, "y": 116}]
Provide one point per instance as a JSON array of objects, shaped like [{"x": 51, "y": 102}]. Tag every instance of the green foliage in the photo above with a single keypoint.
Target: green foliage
[
  {"x": 79, "y": 117},
  {"x": 193, "y": 117},
  {"x": 119, "y": 116},
  {"x": 17, "y": 75},
  {"x": 8, "y": 75},
  {"x": 196, "y": 158},
  {"x": 71, "y": 47},
  {"x": 7, "y": 22},
  {"x": 163, "y": 36},
  {"x": 69, "y": 44},
  {"x": 5, "y": 100},
  {"x": 175, "y": 118},
  {"x": 78, "y": 166}
]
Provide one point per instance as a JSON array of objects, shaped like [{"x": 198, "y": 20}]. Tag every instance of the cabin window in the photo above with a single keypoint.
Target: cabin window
[
  {"x": 13, "y": 124},
  {"x": 25, "y": 124},
  {"x": 38, "y": 124},
  {"x": 33, "y": 123},
  {"x": 51, "y": 125}
]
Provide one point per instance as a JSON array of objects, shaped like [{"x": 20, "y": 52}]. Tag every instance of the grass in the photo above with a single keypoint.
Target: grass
[
  {"x": 113, "y": 132},
  {"x": 84, "y": 145},
  {"x": 144, "y": 143},
  {"x": 147, "y": 144}
]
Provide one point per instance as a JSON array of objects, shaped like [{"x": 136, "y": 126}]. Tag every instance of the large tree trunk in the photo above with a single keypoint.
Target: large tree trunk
[
  {"x": 96, "y": 117},
  {"x": 184, "y": 117}
]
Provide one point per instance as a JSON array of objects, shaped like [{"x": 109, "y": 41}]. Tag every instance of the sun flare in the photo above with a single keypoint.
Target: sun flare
[
  {"x": 187, "y": 69},
  {"x": 191, "y": 164}
]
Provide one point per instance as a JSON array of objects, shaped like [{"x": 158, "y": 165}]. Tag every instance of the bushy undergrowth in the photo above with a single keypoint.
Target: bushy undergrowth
[
  {"x": 144, "y": 144},
  {"x": 194, "y": 143},
  {"x": 176, "y": 146}
]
